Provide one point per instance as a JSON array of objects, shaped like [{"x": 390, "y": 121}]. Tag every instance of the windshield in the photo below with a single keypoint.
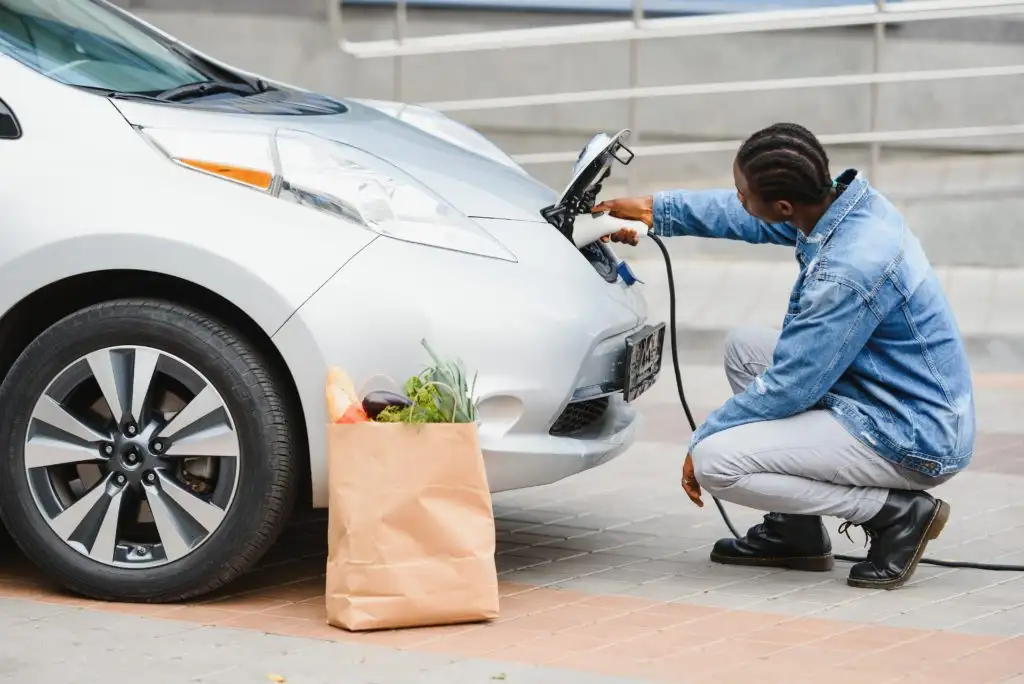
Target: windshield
[{"x": 85, "y": 43}]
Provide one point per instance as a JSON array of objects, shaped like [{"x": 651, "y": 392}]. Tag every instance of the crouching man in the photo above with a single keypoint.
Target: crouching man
[{"x": 862, "y": 402}]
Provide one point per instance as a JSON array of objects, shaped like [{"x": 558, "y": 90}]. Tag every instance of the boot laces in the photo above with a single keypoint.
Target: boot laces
[
  {"x": 761, "y": 528},
  {"x": 844, "y": 529}
]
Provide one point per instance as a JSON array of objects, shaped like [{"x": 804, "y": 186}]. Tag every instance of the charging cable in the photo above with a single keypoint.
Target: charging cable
[{"x": 693, "y": 426}]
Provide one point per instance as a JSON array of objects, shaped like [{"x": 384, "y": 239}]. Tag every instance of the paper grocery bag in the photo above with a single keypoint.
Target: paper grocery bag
[{"x": 411, "y": 528}]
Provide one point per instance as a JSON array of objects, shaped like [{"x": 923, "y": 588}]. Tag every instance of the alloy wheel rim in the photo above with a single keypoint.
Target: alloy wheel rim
[{"x": 132, "y": 457}]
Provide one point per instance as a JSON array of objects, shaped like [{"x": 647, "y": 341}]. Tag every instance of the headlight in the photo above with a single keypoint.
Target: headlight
[{"x": 333, "y": 178}]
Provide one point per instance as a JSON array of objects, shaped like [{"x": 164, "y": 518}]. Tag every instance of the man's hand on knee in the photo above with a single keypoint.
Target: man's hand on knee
[{"x": 690, "y": 484}]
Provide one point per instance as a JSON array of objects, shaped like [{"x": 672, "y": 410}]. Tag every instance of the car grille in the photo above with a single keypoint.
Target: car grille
[{"x": 579, "y": 416}]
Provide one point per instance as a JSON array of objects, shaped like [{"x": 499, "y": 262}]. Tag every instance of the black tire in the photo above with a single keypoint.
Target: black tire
[{"x": 266, "y": 485}]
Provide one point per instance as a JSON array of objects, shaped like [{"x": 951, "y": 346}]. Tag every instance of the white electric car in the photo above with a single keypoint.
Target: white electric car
[{"x": 186, "y": 249}]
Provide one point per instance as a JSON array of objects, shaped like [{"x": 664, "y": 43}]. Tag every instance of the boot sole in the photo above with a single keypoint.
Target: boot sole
[
  {"x": 805, "y": 563},
  {"x": 938, "y": 522}
]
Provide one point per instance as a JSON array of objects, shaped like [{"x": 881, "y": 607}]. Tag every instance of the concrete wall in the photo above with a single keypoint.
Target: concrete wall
[
  {"x": 297, "y": 48},
  {"x": 951, "y": 190}
]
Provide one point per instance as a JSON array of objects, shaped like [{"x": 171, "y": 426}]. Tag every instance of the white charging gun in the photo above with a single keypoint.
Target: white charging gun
[
  {"x": 571, "y": 215},
  {"x": 592, "y": 227}
]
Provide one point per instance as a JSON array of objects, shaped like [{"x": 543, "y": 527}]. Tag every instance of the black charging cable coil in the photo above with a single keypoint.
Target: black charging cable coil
[{"x": 673, "y": 333}]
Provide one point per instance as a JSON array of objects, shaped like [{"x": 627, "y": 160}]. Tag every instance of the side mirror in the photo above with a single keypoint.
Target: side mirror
[{"x": 9, "y": 127}]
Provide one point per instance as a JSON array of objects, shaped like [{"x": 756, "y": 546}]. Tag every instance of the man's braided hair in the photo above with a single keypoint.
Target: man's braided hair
[{"x": 785, "y": 162}]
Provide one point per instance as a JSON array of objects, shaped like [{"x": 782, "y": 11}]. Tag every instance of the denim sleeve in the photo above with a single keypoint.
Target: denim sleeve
[
  {"x": 814, "y": 350},
  {"x": 715, "y": 214}
]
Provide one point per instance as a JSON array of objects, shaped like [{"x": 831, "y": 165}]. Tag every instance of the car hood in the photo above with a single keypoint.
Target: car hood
[{"x": 477, "y": 186}]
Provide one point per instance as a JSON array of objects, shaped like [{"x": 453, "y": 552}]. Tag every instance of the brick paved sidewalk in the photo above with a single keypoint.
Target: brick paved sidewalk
[{"x": 605, "y": 578}]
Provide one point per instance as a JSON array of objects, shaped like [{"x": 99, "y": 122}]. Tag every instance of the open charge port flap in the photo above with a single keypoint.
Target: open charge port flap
[{"x": 592, "y": 167}]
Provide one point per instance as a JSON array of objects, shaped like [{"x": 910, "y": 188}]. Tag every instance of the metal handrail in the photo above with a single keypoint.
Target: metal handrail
[
  {"x": 675, "y": 27},
  {"x": 724, "y": 87},
  {"x": 879, "y": 15},
  {"x": 869, "y": 137}
]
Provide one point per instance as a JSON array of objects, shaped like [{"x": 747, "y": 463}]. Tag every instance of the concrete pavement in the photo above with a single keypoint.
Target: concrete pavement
[{"x": 605, "y": 576}]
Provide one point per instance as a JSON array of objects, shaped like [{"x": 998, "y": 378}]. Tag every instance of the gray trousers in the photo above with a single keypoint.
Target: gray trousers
[{"x": 807, "y": 464}]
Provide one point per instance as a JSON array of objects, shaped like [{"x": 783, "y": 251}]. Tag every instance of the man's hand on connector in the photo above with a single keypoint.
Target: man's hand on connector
[
  {"x": 626, "y": 236},
  {"x": 628, "y": 209}
]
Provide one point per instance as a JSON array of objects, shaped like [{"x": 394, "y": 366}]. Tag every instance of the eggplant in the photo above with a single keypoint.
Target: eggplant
[{"x": 378, "y": 400}]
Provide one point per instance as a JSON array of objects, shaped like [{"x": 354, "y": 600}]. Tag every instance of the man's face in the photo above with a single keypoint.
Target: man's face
[{"x": 770, "y": 212}]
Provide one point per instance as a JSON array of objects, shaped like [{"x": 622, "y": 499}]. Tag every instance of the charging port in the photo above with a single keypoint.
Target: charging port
[{"x": 591, "y": 169}]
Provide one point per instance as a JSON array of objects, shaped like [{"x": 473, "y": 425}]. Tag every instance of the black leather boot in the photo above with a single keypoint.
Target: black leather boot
[
  {"x": 797, "y": 542},
  {"x": 899, "y": 534}
]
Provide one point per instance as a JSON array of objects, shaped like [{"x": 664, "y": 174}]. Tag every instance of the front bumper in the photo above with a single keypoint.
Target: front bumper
[
  {"x": 532, "y": 338},
  {"x": 517, "y": 461}
]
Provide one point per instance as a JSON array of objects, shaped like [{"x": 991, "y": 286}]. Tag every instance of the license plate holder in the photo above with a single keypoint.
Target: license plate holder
[{"x": 643, "y": 360}]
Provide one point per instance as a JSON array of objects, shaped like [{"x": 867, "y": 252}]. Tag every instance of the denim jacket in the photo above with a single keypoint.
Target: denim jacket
[{"x": 868, "y": 335}]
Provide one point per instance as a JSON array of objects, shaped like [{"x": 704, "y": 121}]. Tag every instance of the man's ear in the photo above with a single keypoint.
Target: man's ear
[{"x": 784, "y": 208}]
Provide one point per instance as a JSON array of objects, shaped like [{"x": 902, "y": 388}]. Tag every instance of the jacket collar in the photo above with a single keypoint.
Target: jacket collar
[{"x": 854, "y": 188}]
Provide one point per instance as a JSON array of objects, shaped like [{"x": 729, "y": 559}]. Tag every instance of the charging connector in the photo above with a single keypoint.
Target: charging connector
[{"x": 673, "y": 334}]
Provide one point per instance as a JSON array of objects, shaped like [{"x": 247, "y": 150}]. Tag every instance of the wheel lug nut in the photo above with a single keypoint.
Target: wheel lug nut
[
  {"x": 132, "y": 429},
  {"x": 120, "y": 479},
  {"x": 157, "y": 446},
  {"x": 108, "y": 449},
  {"x": 150, "y": 478}
]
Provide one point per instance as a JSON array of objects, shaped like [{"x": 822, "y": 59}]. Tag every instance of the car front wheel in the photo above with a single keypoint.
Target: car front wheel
[{"x": 148, "y": 453}]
